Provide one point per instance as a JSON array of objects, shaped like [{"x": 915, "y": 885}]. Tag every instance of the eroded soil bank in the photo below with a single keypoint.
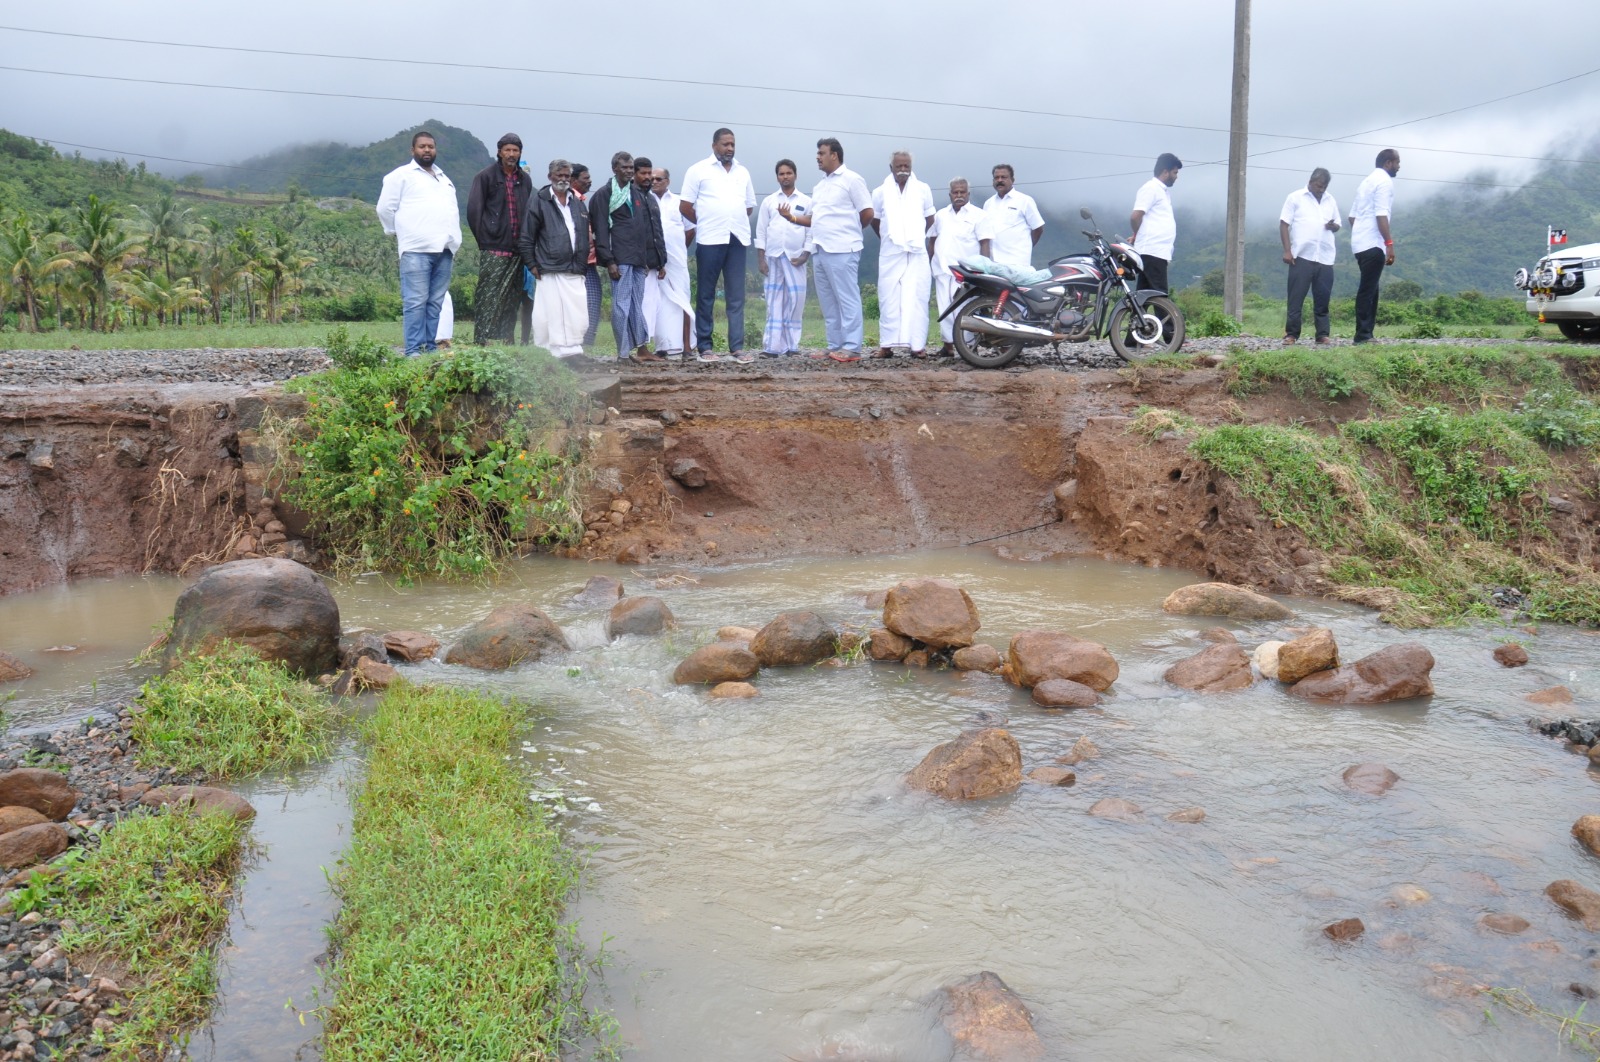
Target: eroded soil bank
[{"x": 702, "y": 467}]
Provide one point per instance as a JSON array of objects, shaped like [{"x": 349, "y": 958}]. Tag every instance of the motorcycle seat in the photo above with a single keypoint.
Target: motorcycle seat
[{"x": 1015, "y": 274}]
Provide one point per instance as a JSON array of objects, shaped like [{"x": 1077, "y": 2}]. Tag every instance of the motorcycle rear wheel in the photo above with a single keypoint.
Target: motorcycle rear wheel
[
  {"x": 978, "y": 349},
  {"x": 1160, "y": 313}
]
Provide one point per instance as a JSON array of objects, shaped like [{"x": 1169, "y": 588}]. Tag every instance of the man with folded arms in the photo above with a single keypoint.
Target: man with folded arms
[
  {"x": 841, "y": 207},
  {"x": 1306, "y": 226},
  {"x": 902, "y": 210}
]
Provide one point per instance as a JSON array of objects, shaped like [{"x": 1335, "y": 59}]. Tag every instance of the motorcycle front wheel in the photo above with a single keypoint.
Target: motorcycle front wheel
[
  {"x": 978, "y": 349},
  {"x": 1136, "y": 336}
]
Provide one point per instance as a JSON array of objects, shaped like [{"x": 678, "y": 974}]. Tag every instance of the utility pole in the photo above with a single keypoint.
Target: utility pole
[{"x": 1238, "y": 147}]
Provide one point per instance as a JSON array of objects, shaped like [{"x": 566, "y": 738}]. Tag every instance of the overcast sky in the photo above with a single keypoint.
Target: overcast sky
[{"x": 1318, "y": 71}]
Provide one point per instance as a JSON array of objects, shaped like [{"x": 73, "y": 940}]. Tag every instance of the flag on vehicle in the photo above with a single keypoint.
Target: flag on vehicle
[{"x": 1557, "y": 236}]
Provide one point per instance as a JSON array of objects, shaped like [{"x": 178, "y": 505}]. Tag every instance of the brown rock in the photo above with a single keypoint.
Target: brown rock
[
  {"x": 279, "y": 608},
  {"x": 1344, "y": 929},
  {"x": 1509, "y": 924},
  {"x": 1307, "y": 655},
  {"x": 601, "y": 591},
  {"x": 1116, "y": 808},
  {"x": 1392, "y": 674},
  {"x": 1215, "y": 669},
  {"x": 1035, "y": 656},
  {"x": 1188, "y": 815},
  {"x": 736, "y": 634},
  {"x": 689, "y": 472},
  {"x": 1577, "y": 901},
  {"x": 1218, "y": 635},
  {"x": 46, "y": 792},
  {"x": 1587, "y": 831},
  {"x": 988, "y": 1021},
  {"x": 15, "y": 818},
  {"x": 12, "y": 669},
  {"x": 32, "y": 844},
  {"x": 639, "y": 615},
  {"x": 717, "y": 662},
  {"x": 884, "y": 644},
  {"x": 411, "y": 646},
  {"x": 203, "y": 798},
  {"x": 1551, "y": 695},
  {"x": 794, "y": 639},
  {"x": 510, "y": 635},
  {"x": 936, "y": 612},
  {"x": 1510, "y": 655},
  {"x": 1223, "y": 599},
  {"x": 1059, "y": 776},
  {"x": 734, "y": 690},
  {"x": 976, "y": 765},
  {"x": 363, "y": 645},
  {"x": 918, "y": 658},
  {"x": 874, "y": 599},
  {"x": 1064, "y": 693},
  {"x": 977, "y": 658},
  {"x": 1373, "y": 779},
  {"x": 375, "y": 675},
  {"x": 1082, "y": 749}
]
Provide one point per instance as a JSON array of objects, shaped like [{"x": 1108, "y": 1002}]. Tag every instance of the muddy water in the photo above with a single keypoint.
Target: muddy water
[{"x": 766, "y": 888}]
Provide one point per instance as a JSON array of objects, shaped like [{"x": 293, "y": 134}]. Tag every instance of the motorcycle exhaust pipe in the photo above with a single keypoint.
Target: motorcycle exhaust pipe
[{"x": 990, "y": 326}]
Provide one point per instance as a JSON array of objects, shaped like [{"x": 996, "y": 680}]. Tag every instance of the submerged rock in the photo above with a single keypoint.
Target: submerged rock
[
  {"x": 1035, "y": 656},
  {"x": 1056, "y": 776},
  {"x": 1507, "y": 924},
  {"x": 639, "y": 615},
  {"x": 1190, "y": 815},
  {"x": 1345, "y": 929},
  {"x": 736, "y": 634},
  {"x": 935, "y": 612},
  {"x": 601, "y": 591},
  {"x": 12, "y": 669},
  {"x": 1587, "y": 831},
  {"x": 1064, "y": 693},
  {"x": 1396, "y": 673},
  {"x": 1215, "y": 669},
  {"x": 279, "y": 608},
  {"x": 1223, "y": 599},
  {"x": 1579, "y": 902},
  {"x": 1082, "y": 749},
  {"x": 1510, "y": 655},
  {"x": 1307, "y": 655},
  {"x": 974, "y": 766},
  {"x": 1551, "y": 695},
  {"x": 794, "y": 639},
  {"x": 1116, "y": 808},
  {"x": 717, "y": 662},
  {"x": 506, "y": 637},
  {"x": 988, "y": 1020},
  {"x": 734, "y": 691},
  {"x": 1373, "y": 779}
]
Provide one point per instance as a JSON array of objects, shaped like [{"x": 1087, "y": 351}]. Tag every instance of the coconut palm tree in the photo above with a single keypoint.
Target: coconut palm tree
[
  {"x": 278, "y": 263},
  {"x": 24, "y": 261},
  {"x": 167, "y": 229},
  {"x": 98, "y": 245}
]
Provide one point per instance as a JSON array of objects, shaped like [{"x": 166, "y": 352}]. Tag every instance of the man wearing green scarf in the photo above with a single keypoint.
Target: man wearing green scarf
[{"x": 629, "y": 245}]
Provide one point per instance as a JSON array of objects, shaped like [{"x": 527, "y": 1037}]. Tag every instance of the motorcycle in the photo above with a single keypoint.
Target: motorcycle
[{"x": 1089, "y": 295}]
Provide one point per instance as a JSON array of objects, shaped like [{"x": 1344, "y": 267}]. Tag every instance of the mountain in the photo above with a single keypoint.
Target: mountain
[{"x": 331, "y": 169}]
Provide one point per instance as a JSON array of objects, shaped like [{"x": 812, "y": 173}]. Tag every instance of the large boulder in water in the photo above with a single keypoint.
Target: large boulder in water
[
  {"x": 978, "y": 764},
  {"x": 1035, "y": 656},
  {"x": 1307, "y": 655},
  {"x": 277, "y": 607},
  {"x": 12, "y": 669},
  {"x": 1214, "y": 669},
  {"x": 600, "y": 590},
  {"x": 935, "y": 612},
  {"x": 639, "y": 615},
  {"x": 1223, "y": 599},
  {"x": 794, "y": 639},
  {"x": 510, "y": 635},
  {"x": 716, "y": 663},
  {"x": 1579, "y": 902},
  {"x": 988, "y": 1020},
  {"x": 1395, "y": 673}
]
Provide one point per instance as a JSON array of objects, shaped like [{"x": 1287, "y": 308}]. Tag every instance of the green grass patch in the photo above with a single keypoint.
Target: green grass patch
[
  {"x": 449, "y": 941},
  {"x": 1393, "y": 375},
  {"x": 444, "y": 464},
  {"x": 185, "y": 337},
  {"x": 228, "y": 713},
  {"x": 151, "y": 903}
]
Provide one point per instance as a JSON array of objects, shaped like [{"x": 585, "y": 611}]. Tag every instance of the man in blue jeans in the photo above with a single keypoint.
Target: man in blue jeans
[
  {"x": 418, "y": 207},
  {"x": 718, "y": 197}
]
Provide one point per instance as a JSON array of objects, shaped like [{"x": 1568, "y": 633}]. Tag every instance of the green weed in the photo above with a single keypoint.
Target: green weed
[
  {"x": 1217, "y": 323},
  {"x": 230, "y": 713},
  {"x": 1571, "y": 1028}
]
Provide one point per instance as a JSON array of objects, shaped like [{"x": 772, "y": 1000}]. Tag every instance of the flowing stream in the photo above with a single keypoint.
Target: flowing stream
[{"x": 762, "y": 885}]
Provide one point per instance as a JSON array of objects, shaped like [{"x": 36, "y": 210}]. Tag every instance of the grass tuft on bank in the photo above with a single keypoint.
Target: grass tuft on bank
[
  {"x": 151, "y": 903},
  {"x": 229, "y": 713},
  {"x": 449, "y": 939},
  {"x": 443, "y": 464}
]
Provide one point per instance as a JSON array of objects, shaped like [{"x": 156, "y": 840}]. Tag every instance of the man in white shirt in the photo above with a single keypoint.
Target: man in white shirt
[
  {"x": 902, "y": 209},
  {"x": 1306, "y": 226},
  {"x": 841, "y": 207},
  {"x": 1371, "y": 239},
  {"x": 667, "y": 303},
  {"x": 418, "y": 207},
  {"x": 1155, "y": 230},
  {"x": 718, "y": 198},
  {"x": 959, "y": 231},
  {"x": 779, "y": 246},
  {"x": 1015, "y": 219}
]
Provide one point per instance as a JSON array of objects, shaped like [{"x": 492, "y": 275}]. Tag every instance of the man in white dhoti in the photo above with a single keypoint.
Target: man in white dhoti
[
  {"x": 959, "y": 231},
  {"x": 780, "y": 247},
  {"x": 668, "y": 307},
  {"x": 902, "y": 209},
  {"x": 554, "y": 244}
]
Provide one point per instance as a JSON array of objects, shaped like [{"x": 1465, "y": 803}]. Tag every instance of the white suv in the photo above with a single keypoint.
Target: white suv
[{"x": 1564, "y": 288}]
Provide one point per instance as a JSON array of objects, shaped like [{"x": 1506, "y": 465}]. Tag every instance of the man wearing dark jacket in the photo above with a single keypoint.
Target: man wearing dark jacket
[
  {"x": 495, "y": 204},
  {"x": 629, "y": 245},
  {"x": 554, "y": 244}
]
